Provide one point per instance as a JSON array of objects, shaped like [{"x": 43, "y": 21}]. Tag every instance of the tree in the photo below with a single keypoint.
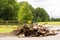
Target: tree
[
  {"x": 38, "y": 19},
  {"x": 25, "y": 12},
  {"x": 55, "y": 19},
  {"x": 8, "y": 9},
  {"x": 40, "y": 14}
]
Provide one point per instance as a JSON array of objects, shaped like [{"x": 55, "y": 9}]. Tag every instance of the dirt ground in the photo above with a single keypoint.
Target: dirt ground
[{"x": 54, "y": 37}]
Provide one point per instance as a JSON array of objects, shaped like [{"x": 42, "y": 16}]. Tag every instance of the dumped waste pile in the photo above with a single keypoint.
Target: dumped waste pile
[{"x": 33, "y": 31}]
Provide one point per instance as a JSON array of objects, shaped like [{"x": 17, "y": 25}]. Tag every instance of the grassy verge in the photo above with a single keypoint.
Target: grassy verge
[
  {"x": 10, "y": 28},
  {"x": 7, "y": 28},
  {"x": 50, "y": 23}
]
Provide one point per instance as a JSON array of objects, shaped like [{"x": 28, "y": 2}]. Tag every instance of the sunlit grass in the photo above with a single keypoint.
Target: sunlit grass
[
  {"x": 7, "y": 28},
  {"x": 10, "y": 28},
  {"x": 50, "y": 23}
]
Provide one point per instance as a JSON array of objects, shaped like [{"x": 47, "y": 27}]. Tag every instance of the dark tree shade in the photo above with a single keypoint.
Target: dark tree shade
[
  {"x": 40, "y": 14},
  {"x": 8, "y": 9}
]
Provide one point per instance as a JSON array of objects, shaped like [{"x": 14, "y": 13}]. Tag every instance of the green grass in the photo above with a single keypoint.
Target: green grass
[
  {"x": 10, "y": 28},
  {"x": 50, "y": 23},
  {"x": 7, "y": 28}
]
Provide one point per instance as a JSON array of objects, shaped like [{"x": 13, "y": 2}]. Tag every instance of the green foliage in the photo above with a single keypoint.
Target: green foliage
[
  {"x": 25, "y": 12},
  {"x": 55, "y": 19},
  {"x": 38, "y": 19},
  {"x": 8, "y": 9},
  {"x": 40, "y": 14}
]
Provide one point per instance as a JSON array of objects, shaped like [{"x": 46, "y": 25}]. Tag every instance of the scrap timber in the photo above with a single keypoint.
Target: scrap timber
[{"x": 33, "y": 31}]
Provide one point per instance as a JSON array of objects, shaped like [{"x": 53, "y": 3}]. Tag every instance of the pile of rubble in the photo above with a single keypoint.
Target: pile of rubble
[{"x": 33, "y": 31}]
